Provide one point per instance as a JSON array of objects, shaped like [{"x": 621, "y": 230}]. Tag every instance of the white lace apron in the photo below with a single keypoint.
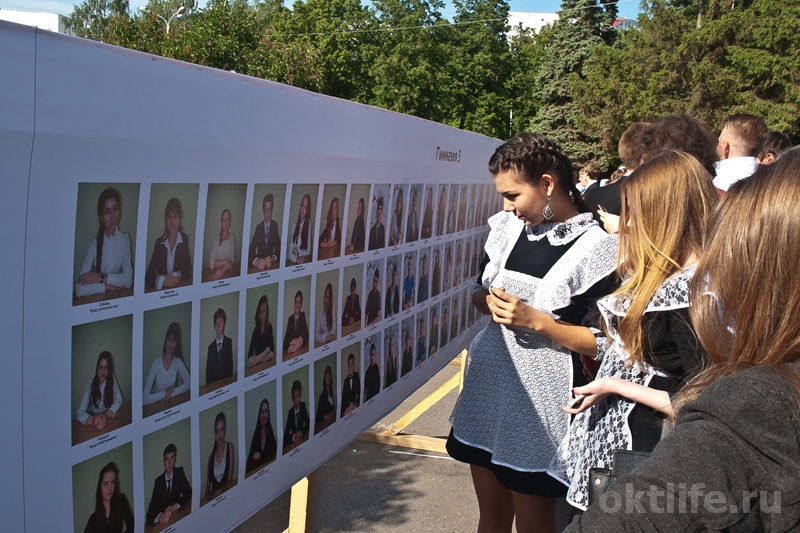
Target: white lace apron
[
  {"x": 603, "y": 428},
  {"x": 517, "y": 380}
]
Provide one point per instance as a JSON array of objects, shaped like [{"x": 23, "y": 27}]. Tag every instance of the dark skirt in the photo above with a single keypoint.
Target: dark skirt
[{"x": 530, "y": 483}]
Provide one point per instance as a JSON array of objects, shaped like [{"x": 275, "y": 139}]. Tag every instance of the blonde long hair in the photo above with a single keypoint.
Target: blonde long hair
[
  {"x": 667, "y": 204},
  {"x": 746, "y": 292}
]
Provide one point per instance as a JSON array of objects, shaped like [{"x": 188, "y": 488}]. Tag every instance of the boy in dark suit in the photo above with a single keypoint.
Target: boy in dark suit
[
  {"x": 265, "y": 247},
  {"x": 171, "y": 490}
]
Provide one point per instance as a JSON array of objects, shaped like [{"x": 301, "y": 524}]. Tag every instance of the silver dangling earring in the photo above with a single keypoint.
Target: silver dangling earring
[{"x": 547, "y": 212}]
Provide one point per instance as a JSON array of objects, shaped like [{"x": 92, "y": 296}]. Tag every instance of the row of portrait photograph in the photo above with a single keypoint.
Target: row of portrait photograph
[
  {"x": 242, "y": 435},
  {"x": 324, "y": 222},
  {"x": 234, "y": 341}
]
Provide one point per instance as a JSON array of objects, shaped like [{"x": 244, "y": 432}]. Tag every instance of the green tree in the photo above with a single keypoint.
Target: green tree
[
  {"x": 337, "y": 32},
  {"x": 582, "y": 25},
  {"x": 528, "y": 51},
  {"x": 480, "y": 63},
  {"x": 92, "y": 18},
  {"x": 408, "y": 58},
  {"x": 745, "y": 60}
]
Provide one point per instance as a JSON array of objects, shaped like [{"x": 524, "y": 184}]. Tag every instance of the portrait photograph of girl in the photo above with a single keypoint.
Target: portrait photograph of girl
[
  {"x": 356, "y": 236},
  {"x": 262, "y": 305},
  {"x": 104, "y": 244},
  {"x": 222, "y": 235},
  {"x": 101, "y": 377},
  {"x": 396, "y": 216},
  {"x": 166, "y": 361},
  {"x": 260, "y": 410},
  {"x": 302, "y": 213},
  {"x": 325, "y": 391},
  {"x": 330, "y": 237},
  {"x": 102, "y": 492},
  {"x": 218, "y": 444},
  {"x": 171, "y": 224},
  {"x": 326, "y": 303}
]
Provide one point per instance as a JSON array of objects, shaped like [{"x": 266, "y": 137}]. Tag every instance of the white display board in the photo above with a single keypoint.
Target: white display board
[{"x": 98, "y": 140}]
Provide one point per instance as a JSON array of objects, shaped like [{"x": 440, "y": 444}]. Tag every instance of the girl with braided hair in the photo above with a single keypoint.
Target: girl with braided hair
[
  {"x": 107, "y": 266},
  {"x": 547, "y": 262}
]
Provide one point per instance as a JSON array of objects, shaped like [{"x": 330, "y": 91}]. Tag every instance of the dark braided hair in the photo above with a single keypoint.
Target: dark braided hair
[
  {"x": 533, "y": 155},
  {"x": 107, "y": 194}
]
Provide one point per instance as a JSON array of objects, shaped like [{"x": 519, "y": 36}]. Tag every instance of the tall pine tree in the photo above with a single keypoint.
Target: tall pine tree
[{"x": 582, "y": 24}]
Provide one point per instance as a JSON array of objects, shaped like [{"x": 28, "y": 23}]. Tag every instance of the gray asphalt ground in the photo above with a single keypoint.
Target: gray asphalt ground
[{"x": 381, "y": 488}]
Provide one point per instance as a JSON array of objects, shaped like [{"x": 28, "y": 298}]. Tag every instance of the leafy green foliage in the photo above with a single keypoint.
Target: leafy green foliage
[
  {"x": 742, "y": 60},
  {"x": 93, "y": 18},
  {"x": 582, "y": 25},
  {"x": 578, "y": 82}
]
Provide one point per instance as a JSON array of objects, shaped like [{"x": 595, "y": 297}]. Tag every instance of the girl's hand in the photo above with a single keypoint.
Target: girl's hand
[
  {"x": 89, "y": 278},
  {"x": 100, "y": 421},
  {"x": 511, "y": 311},
  {"x": 592, "y": 393},
  {"x": 610, "y": 222}
]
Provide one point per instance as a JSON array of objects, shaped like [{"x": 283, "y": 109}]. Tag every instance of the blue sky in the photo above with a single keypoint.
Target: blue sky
[{"x": 627, "y": 8}]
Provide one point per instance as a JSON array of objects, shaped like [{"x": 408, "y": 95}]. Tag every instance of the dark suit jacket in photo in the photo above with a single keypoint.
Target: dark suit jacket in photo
[
  {"x": 219, "y": 363},
  {"x": 408, "y": 361},
  {"x": 265, "y": 245},
  {"x": 373, "y": 306},
  {"x": 296, "y": 330},
  {"x": 377, "y": 236},
  {"x": 352, "y": 309},
  {"x": 359, "y": 234},
  {"x": 293, "y": 426},
  {"x": 372, "y": 381},
  {"x": 158, "y": 261},
  {"x": 180, "y": 492},
  {"x": 392, "y": 300},
  {"x": 350, "y": 393}
]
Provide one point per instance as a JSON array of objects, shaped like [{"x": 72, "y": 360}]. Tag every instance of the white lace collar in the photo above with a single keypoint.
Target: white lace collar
[
  {"x": 560, "y": 233},
  {"x": 673, "y": 293}
]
